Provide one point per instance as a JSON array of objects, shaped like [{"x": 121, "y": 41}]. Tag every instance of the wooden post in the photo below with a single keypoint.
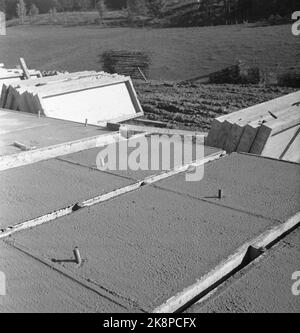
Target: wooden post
[
  {"x": 25, "y": 69},
  {"x": 142, "y": 74}
]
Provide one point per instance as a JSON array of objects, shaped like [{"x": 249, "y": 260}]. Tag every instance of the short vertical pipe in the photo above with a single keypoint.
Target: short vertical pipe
[{"x": 77, "y": 256}]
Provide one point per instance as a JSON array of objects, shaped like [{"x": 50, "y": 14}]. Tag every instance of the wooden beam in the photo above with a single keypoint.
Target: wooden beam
[{"x": 25, "y": 69}]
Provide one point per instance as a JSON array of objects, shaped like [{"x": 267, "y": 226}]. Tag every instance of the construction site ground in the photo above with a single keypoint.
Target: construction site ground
[
  {"x": 264, "y": 287},
  {"x": 143, "y": 247}
]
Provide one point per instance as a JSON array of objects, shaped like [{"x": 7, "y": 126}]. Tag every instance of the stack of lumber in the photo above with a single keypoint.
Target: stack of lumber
[
  {"x": 85, "y": 97},
  {"x": 130, "y": 63},
  {"x": 268, "y": 129}
]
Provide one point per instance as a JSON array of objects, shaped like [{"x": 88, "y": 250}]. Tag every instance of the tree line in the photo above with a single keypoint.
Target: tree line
[
  {"x": 247, "y": 9},
  {"x": 44, "y": 6}
]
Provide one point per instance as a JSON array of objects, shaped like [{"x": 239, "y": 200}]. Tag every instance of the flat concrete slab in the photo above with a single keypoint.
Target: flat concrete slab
[
  {"x": 265, "y": 287},
  {"x": 39, "y": 132},
  {"x": 252, "y": 184},
  {"x": 146, "y": 245},
  {"x": 31, "y": 191},
  {"x": 31, "y": 286},
  {"x": 88, "y": 158}
]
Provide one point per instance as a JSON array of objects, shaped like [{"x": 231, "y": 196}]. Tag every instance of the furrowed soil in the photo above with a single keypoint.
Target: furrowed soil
[{"x": 195, "y": 105}]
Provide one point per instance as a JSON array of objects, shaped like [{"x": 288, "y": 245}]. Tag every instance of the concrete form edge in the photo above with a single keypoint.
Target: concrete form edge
[
  {"x": 104, "y": 197},
  {"x": 224, "y": 268}
]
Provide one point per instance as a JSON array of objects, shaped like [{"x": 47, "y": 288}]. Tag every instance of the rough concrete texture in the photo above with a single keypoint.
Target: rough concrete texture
[
  {"x": 31, "y": 286},
  {"x": 88, "y": 157},
  {"x": 39, "y": 132},
  {"x": 147, "y": 245},
  {"x": 253, "y": 184},
  {"x": 266, "y": 286},
  {"x": 31, "y": 191}
]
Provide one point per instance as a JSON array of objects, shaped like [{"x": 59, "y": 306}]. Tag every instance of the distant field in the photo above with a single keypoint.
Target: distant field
[{"x": 177, "y": 53}]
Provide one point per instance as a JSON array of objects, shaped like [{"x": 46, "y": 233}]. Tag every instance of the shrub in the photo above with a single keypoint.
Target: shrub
[{"x": 289, "y": 79}]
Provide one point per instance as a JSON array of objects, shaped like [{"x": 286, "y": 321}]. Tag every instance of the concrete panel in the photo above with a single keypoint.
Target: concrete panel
[
  {"x": 31, "y": 191},
  {"x": 33, "y": 287},
  {"x": 147, "y": 245},
  {"x": 39, "y": 132},
  {"x": 88, "y": 157},
  {"x": 253, "y": 184},
  {"x": 265, "y": 287},
  {"x": 96, "y": 105}
]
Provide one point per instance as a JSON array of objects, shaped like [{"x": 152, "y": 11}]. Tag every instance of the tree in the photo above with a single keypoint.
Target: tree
[
  {"x": 2, "y": 6},
  {"x": 100, "y": 5},
  {"x": 115, "y": 4},
  {"x": 21, "y": 11},
  {"x": 136, "y": 8},
  {"x": 84, "y": 4},
  {"x": 33, "y": 11},
  {"x": 154, "y": 7}
]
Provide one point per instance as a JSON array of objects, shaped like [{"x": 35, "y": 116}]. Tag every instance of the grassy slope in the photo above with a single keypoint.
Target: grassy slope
[{"x": 177, "y": 53}]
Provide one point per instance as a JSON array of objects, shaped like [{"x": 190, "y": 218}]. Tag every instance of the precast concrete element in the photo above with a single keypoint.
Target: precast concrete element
[
  {"x": 263, "y": 287},
  {"x": 34, "y": 286}
]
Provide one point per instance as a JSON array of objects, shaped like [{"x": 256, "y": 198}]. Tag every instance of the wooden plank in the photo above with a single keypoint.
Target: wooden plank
[
  {"x": 260, "y": 110},
  {"x": 212, "y": 138},
  {"x": 262, "y": 136},
  {"x": 9, "y": 100},
  {"x": 292, "y": 151},
  {"x": 3, "y": 97},
  {"x": 25, "y": 69},
  {"x": 288, "y": 119},
  {"x": 279, "y": 144},
  {"x": 234, "y": 137},
  {"x": 247, "y": 138},
  {"x": 223, "y": 134}
]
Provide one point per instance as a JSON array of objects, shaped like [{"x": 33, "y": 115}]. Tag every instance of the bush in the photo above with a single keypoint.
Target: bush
[
  {"x": 289, "y": 79},
  {"x": 277, "y": 19},
  {"x": 236, "y": 74}
]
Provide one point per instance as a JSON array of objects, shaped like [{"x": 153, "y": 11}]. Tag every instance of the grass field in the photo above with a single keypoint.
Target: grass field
[{"x": 177, "y": 53}]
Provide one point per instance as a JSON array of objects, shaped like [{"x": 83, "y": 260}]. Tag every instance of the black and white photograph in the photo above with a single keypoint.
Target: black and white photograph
[{"x": 149, "y": 159}]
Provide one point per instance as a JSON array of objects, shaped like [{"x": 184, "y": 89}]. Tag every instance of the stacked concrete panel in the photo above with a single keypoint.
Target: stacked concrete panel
[
  {"x": 12, "y": 75},
  {"x": 268, "y": 129},
  {"x": 85, "y": 97}
]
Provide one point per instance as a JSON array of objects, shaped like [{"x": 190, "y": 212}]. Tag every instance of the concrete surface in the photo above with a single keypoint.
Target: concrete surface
[
  {"x": 31, "y": 191},
  {"x": 31, "y": 286},
  {"x": 147, "y": 245},
  {"x": 266, "y": 286},
  {"x": 88, "y": 158},
  {"x": 97, "y": 104},
  {"x": 39, "y": 132},
  {"x": 253, "y": 184}
]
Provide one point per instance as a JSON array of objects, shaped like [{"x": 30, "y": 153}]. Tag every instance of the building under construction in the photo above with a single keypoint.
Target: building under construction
[{"x": 75, "y": 238}]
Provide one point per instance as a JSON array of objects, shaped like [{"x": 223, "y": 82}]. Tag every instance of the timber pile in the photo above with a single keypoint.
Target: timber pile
[
  {"x": 269, "y": 129},
  {"x": 85, "y": 97},
  {"x": 130, "y": 63}
]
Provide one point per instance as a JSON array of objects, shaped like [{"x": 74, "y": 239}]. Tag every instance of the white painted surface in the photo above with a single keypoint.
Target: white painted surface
[{"x": 97, "y": 104}]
